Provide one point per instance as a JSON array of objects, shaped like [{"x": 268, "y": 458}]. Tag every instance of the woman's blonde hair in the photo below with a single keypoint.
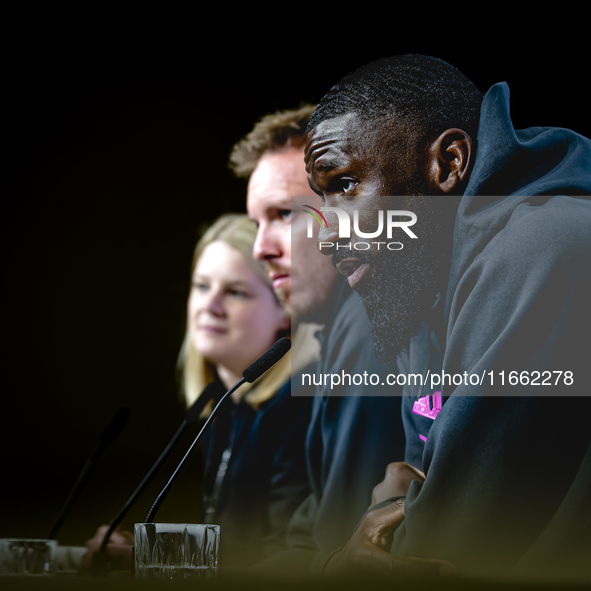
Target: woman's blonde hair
[{"x": 239, "y": 232}]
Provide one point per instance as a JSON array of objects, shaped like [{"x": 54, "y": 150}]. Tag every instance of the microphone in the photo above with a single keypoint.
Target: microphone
[
  {"x": 108, "y": 436},
  {"x": 191, "y": 416},
  {"x": 254, "y": 371},
  {"x": 250, "y": 374}
]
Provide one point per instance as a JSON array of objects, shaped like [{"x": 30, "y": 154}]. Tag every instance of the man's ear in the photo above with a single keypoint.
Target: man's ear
[{"x": 449, "y": 161}]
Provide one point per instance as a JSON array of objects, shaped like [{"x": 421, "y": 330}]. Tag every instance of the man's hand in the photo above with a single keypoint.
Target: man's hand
[
  {"x": 368, "y": 550},
  {"x": 118, "y": 550},
  {"x": 396, "y": 482}
]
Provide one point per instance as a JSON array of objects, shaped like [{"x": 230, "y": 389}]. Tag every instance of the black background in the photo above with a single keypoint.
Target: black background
[{"x": 115, "y": 148}]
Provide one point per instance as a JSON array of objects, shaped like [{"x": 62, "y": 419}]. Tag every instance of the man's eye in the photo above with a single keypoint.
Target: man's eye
[
  {"x": 284, "y": 214},
  {"x": 346, "y": 185},
  {"x": 237, "y": 293}
]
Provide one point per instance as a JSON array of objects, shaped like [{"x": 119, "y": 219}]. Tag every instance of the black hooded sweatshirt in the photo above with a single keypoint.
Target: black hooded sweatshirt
[{"x": 507, "y": 458}]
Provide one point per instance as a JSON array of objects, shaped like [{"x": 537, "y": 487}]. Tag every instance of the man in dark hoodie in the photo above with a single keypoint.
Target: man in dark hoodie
[{"x": 496, "y": 284}]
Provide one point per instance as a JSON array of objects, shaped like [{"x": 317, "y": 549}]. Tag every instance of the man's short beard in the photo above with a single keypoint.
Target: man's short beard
[{"x": 403, "y": 285}]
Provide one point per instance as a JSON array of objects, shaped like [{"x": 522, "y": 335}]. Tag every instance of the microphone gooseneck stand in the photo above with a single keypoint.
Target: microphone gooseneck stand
[
  {"x": 190, "y": 417},
  {"x": 160, "y": 498},
  {"x": 250, "y": 374}
]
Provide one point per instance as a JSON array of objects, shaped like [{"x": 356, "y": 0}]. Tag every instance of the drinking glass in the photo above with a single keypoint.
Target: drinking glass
[
  {"x": 176, "y": 550},
  {"x": 27, "y": 557}
]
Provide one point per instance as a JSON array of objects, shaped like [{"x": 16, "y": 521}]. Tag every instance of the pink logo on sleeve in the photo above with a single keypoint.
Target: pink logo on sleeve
[{"x": 423, "y": 407}]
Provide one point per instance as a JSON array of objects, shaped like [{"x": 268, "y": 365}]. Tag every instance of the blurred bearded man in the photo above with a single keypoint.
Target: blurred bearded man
[{"x": 355, "y": 431}]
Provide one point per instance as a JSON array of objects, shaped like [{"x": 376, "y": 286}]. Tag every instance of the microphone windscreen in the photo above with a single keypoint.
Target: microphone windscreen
[
  {"x": 212, "y": 390},
  {"x": 266, "y": 360},
  {"x": 115, "y": 427}
]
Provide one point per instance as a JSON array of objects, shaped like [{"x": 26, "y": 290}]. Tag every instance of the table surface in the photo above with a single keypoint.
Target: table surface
[{"x": 243, "y": 582}]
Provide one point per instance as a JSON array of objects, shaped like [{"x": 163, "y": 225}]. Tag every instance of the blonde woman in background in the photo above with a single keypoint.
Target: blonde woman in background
[
  {"x": 255, "y": 471},
  {"x": 255, "y": 468}
]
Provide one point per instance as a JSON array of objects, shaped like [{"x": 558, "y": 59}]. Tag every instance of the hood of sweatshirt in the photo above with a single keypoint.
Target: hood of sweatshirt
[{"x": 512, "y": 167}]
